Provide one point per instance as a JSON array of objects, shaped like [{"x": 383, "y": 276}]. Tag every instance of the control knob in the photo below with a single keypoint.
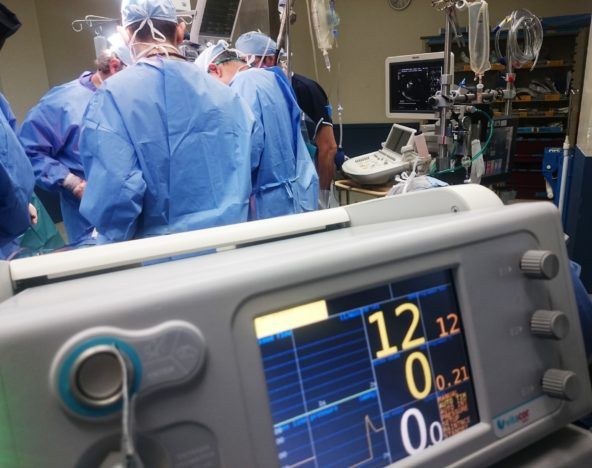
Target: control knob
[
  {"x": 561, "y": 384},
  {"x": 549, "y": 324},
  {"x": 541, "y": 264}
]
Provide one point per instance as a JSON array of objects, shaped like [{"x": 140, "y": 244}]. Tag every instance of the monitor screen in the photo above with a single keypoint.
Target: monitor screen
[
  {"x": 398, "y": 138},
  {"x": 369, "y": 378},
  {"x": 218, "y": 18},
  {"x": 498, "y": 157},
  {"x": 411, "y": 81}
]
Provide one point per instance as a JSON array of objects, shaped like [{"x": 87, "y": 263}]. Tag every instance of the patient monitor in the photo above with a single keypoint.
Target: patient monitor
[{"x": 436, "y": 328}]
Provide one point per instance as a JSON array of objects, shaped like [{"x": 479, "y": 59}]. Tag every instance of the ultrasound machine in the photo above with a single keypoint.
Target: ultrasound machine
[
  {"x": 436, "y": 328},
  {"x": 411, "y": 80},
  {"x": 380, "y": 166}
]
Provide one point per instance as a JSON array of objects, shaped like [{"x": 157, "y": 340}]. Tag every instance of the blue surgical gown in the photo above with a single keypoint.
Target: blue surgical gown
[
  {"x": 284, "y": 178},
  {"x": 166, "y": 149},
  {"x": 50, "y": 135},
  {"x": 16, "y": 182}
]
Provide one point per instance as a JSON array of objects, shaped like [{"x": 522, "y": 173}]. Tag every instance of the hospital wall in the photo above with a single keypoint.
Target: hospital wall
[
  {"x": 23, "y": 70},
  {"x": 67, "y": 52},
  {"x": 370, "y": 31},
  {"x": 47, "y": 52},
  {"x": 585, "y": 125}
]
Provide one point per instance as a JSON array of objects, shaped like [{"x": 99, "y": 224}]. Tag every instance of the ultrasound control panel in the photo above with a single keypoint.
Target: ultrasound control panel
[{"x": 445, "y": 340}]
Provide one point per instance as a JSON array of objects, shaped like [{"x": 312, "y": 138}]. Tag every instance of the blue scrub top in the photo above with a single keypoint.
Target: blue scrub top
[
  {"x": 50, "y": 135},
  {"x": 166, "y": 149}
]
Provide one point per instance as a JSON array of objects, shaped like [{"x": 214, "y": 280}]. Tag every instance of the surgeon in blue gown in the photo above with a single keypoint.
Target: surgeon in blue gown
[
  {"x": 50, "y": 135},
  {"x": 283, "y": 174},
  {"x": 16, "y": 183},
  {"x": 165, "y": 147},
  {"x": 16, "y": 174}
]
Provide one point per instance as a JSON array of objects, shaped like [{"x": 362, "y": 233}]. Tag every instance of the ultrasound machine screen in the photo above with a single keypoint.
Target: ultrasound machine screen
[
  {"x": 398, "y": 138},
  {"x": 411, "y": 80}
]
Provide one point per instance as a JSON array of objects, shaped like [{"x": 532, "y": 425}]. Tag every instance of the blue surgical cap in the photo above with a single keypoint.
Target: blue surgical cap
[
  {"x": 134, "y": 11},
  {"x": 256, "y": 43},
  {"x": 122, "y": 50}
]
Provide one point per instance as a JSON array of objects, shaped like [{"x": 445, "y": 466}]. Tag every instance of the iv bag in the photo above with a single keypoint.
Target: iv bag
[
  {"x": 479, "y": 39},
  {"x": 325, "y": 21},
  {"x": 100, "y": 45},
  {"x": 320, "y": 19}
]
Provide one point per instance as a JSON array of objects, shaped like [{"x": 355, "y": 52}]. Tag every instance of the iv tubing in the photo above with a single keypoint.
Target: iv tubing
[{"x": 480, "y": 153}]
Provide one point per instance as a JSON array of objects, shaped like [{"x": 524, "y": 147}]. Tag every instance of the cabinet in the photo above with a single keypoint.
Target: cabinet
[{"x": 548, "y": 102}]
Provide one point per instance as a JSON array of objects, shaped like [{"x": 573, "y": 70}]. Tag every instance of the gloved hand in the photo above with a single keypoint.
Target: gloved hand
[
  {"x": 33, "y": 213},
  {"x": 74, "y": 184},
  {"x": 340, "y": 158}
]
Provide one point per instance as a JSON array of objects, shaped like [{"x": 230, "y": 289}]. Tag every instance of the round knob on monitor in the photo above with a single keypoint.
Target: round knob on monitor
[
  {"x": 561, "y": 384},
  {"x": 549, "y": 324},
  {"x": 97, "y": 377},
  {"x": 540, "y": 264}
]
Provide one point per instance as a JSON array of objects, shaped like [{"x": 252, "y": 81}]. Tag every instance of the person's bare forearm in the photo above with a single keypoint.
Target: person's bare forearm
[{"x": 327, "y": 147}]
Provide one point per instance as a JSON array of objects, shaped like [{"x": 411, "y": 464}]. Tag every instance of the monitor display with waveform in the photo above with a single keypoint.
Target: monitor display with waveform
[{"x": 368, "y": 378}]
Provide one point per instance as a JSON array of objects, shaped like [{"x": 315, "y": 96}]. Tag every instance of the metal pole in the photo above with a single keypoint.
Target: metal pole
[
  {"x": 288, "y": 41},
  {"x": 563, "y": 187},
  {"x": 283, "y": 28},
  {"x": 443, "y": 160},
  {"x": 509, "y": 82}
]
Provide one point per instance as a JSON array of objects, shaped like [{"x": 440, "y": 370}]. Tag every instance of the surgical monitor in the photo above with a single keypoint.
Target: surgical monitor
[
  {"x": 410, "y": 81},
  {"x": 214, "y": 20},
  {"x": 383, "y": 371}
]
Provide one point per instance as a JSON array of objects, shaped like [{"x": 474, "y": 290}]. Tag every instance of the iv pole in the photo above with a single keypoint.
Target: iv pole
[
  {"x": 284, "y": 35},
  {"x": 446, "y": 82}
]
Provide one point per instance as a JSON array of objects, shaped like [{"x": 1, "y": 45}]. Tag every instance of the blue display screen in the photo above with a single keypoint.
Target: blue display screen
[{"x": 369, "y": 378}]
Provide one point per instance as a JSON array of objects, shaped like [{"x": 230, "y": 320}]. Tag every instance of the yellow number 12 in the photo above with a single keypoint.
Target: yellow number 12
[{"x": 408, "y": 341}]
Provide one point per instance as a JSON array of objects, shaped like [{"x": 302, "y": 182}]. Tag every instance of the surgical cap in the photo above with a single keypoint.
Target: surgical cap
[
  {"x": 256, "y": 43},
  {"x": 134, "y": 11},
  {"x": 122, "y": 50},
  {"x": 210, "y": 54}
]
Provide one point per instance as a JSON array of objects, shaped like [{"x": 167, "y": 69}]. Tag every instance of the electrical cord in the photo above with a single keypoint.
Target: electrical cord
[{"x": 127, "y": 419}]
